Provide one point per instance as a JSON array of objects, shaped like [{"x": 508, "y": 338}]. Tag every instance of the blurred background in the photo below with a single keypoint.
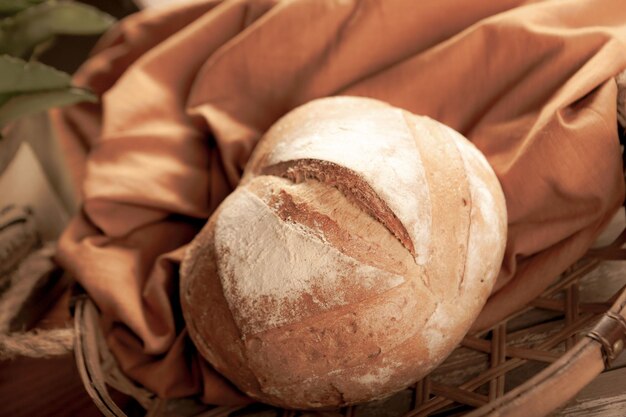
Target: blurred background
[
  {"x": 51, "y": 386},
  {"x": 68, "y": 52}
]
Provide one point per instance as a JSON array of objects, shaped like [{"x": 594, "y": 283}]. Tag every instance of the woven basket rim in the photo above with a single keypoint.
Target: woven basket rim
[{"x": 91, "y": 351}]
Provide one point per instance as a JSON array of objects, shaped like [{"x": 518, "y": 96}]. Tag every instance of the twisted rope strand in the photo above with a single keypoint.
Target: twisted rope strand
[{"x": 37, "y": 344}]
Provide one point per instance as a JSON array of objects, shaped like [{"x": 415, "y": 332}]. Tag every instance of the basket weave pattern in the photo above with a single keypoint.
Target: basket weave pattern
[
  {"x": 483, "y": 373},
  {"x": 559, "y": 343}
]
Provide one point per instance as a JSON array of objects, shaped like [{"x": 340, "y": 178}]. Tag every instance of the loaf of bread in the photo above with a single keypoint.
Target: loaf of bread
[{"x": 358, "y": 249}]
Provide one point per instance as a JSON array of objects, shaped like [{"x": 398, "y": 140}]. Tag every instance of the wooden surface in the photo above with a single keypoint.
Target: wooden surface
[
  {"x": 43, "y": 387},
  {"x": 604, "y": 397}
]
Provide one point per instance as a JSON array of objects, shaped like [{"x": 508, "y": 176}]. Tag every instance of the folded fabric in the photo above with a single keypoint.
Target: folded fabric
[{"x": 187, "y": 91}]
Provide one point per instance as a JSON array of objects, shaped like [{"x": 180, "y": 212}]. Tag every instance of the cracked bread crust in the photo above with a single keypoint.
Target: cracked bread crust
[{"x": 309, "y": 288}]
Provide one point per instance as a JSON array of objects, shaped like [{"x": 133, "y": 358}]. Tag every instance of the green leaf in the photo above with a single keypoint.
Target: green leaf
[
  {"x": 8, "y": 7},
  {"x": 21, "y": 33},
  {"x": 24, "y": 104},
  {"x": 18, "y": 76}
]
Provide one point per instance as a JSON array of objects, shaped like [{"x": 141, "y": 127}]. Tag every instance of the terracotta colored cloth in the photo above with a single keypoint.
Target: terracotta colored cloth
[{"x": 188, "y": 91}]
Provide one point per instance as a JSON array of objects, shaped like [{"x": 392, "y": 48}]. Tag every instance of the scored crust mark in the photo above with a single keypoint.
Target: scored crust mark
[
  {"x": 467, "y": 201},
  {"x": 454, "y": 204},
  {"x": 202, "y": 297},
  {"x": 487, "y": 226},
  {"x": 312, "y": 277},
  {"x": 326, "y": 226},
  {"x": 350, "y": 185}
]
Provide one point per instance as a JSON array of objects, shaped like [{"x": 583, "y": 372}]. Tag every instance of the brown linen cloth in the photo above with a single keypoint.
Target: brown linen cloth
[{"x": 187, "y": 92}]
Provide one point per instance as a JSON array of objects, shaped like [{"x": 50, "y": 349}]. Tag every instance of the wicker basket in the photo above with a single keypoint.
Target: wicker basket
[{"x": 529, "y": 364}]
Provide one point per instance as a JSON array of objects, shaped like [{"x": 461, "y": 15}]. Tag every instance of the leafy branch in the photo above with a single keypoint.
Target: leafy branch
[{"x": 27, "y": 26}]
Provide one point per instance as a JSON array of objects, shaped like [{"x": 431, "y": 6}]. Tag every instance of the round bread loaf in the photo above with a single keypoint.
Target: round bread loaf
[{"x": 357, "y": 251}]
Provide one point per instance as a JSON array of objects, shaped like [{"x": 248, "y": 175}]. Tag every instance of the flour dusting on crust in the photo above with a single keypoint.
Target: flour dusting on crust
[
  {"x": 270, "y": 269},
  {"x": 378, "y": 146}
]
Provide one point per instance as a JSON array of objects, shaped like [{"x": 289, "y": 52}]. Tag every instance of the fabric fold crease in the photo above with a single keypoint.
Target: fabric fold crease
[{"x": 188, "y": 90}]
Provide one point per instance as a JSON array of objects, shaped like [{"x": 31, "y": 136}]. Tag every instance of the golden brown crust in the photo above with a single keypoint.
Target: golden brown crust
[
  {"x": 209, "y": 321},
  {"x": 310, "y": 204},
  {"x": 353, "y": 187},
  {"x": 303, "y": 288}
]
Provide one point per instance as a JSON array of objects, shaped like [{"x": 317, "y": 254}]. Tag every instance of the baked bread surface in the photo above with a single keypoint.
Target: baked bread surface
[{"x": 358, "y": 249}]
